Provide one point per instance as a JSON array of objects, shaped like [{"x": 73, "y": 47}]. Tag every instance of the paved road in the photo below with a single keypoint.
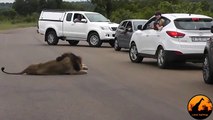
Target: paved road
[{"x": 113, "y": 89}]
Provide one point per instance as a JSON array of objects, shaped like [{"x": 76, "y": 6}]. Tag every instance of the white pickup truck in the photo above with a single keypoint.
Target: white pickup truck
[{"x": 74, "y": 26}]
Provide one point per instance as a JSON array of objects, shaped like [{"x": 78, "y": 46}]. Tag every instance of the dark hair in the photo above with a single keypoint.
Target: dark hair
[{"x": 158, "y": 13}]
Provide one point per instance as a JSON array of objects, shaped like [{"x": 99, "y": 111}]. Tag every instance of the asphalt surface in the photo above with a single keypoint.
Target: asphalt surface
[{"x": 113, "y": 89}]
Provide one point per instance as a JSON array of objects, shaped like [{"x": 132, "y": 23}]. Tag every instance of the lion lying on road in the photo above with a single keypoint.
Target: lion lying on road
[{"x": 67, "y": 63}]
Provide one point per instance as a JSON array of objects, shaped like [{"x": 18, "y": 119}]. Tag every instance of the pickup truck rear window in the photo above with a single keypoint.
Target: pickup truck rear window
[
  {"x": 193, "y": 23},
  {"x": 69, "y": 16}
]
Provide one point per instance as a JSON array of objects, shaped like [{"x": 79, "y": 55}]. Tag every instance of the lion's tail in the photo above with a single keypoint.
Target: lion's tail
[{"x": 2, "y": 69}]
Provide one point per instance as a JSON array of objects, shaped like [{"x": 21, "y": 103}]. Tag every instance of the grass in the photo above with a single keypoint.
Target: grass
[{"x": 9, "y": 25}]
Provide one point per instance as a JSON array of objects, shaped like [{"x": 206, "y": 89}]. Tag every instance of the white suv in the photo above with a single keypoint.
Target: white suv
[{"x": 183, "y": 38}]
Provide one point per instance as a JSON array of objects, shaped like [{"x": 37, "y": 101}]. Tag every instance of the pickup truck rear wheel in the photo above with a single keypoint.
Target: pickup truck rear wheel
[
  {"x": 73, "y": 42},
  {"x": 94, "y": 40},
  {"x": 51, "y": 38}
]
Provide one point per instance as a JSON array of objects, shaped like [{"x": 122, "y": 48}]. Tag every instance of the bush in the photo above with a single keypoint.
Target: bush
[
  {"x": 7, "y": 14},
  {"x": 27, "y": 19}
]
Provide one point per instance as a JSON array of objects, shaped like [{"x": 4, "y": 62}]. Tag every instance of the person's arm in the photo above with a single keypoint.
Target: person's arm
[{"x": 76, "y": 20}]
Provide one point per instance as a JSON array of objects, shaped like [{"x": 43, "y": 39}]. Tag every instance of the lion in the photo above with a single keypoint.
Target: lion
[{"x": 67, "y": 63}]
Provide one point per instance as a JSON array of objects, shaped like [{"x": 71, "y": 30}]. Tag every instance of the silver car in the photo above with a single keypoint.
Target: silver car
[{"x": 124, "y": 32}]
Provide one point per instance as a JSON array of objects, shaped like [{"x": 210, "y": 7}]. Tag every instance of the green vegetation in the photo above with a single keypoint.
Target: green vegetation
[
  {"x": 116, "y": 10},
  {"x": 9, "y": 25}
]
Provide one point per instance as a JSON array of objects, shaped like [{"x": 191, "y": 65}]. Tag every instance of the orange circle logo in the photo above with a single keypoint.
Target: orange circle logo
[{"x": 200, "y": 107}]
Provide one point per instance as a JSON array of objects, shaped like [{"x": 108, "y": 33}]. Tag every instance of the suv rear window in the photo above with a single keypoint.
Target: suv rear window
[{"x": 193, "y": 23}]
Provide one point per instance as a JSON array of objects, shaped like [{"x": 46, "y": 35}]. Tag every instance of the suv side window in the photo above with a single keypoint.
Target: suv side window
[
  {"x": 69, "y": 17},
  {"x": 150, "y": 23}
]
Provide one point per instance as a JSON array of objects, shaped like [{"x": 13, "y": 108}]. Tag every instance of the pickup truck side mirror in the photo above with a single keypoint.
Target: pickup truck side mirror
[
  {"x": 108, "y": 20},
  {"x": 212, "y": 29},
  {"x": 83, "y": 20},
  {"x": 139, "y": 27}
]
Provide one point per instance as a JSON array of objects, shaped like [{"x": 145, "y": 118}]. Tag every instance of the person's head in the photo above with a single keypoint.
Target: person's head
[
  {"x": 79, "y": 16},
  {"x": 158, "y": 15}
]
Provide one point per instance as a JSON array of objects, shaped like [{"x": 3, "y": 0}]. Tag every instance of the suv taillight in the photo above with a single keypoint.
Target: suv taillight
[{"x": 175, "y": 34}]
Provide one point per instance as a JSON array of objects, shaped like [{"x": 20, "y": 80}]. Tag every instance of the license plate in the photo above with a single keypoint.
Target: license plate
[{"x": 200, "y": 39}]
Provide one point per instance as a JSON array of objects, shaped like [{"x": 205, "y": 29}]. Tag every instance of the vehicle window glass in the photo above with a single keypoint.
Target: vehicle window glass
[
  {"x": 96, "y": 17},
  {"x": 123, "y": 25},
  {"x": 78, "y": 17},
  {"x": 69, "y": 16},
  {"x": 136, "y": 23},
  {"x": 166, "y": 21},
  {"x": 149, "y": 24},
  {"x": 129, "y": 24},
  {"x": 193, "y": 23}
]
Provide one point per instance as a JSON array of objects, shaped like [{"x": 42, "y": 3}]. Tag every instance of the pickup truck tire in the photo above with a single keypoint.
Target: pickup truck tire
[
  {"x": 51, "y": 38},
  {"x": 94, "y": 40},
  {"x": 73, "y": 42}
]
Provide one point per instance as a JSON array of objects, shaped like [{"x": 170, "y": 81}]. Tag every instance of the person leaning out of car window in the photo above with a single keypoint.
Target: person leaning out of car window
[{"x": 159, "y": 22}]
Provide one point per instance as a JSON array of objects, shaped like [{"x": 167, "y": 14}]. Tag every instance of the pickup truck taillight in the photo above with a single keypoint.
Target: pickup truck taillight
[{"x": 175, "y": 34}]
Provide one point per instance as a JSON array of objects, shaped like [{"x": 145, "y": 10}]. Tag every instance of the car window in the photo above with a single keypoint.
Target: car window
[
  {"x": 136, "y": 23},
  {"x": 150, "y": 23},
  {"x": 193, "y": 23},
  {"x": 122, "y": 25},
  {"x": 78, "y": 17},
  {"x": 69, "y": 17},
  {"x": 129, "y": 26}
]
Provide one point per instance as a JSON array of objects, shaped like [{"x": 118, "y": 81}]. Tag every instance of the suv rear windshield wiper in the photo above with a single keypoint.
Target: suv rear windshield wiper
[{"x": 204, "y": 28}]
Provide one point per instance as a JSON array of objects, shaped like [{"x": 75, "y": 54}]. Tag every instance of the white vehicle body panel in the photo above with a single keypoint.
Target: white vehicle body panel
[
  {"x": 148, "y": 40},
  {"x": 74, "y": 30}
]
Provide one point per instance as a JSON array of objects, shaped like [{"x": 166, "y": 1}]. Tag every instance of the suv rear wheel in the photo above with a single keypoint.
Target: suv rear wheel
[
  {"x": 73, "y": 42},
  {"x": 161, "y": 58},
  {"x": 207, "y": 72},
  {"x": 133, "y": 54},
  {"x": 94, "y": 40},
  {"x": 51, "y": 38}
]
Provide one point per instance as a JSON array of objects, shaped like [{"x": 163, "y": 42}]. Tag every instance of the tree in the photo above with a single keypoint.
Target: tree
[
  {"x": 54, "y": 4},
  {"x": 105, "y": 6},
  {"x": 18, "y": 6},
  {"x": 42, "y": 4}
]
